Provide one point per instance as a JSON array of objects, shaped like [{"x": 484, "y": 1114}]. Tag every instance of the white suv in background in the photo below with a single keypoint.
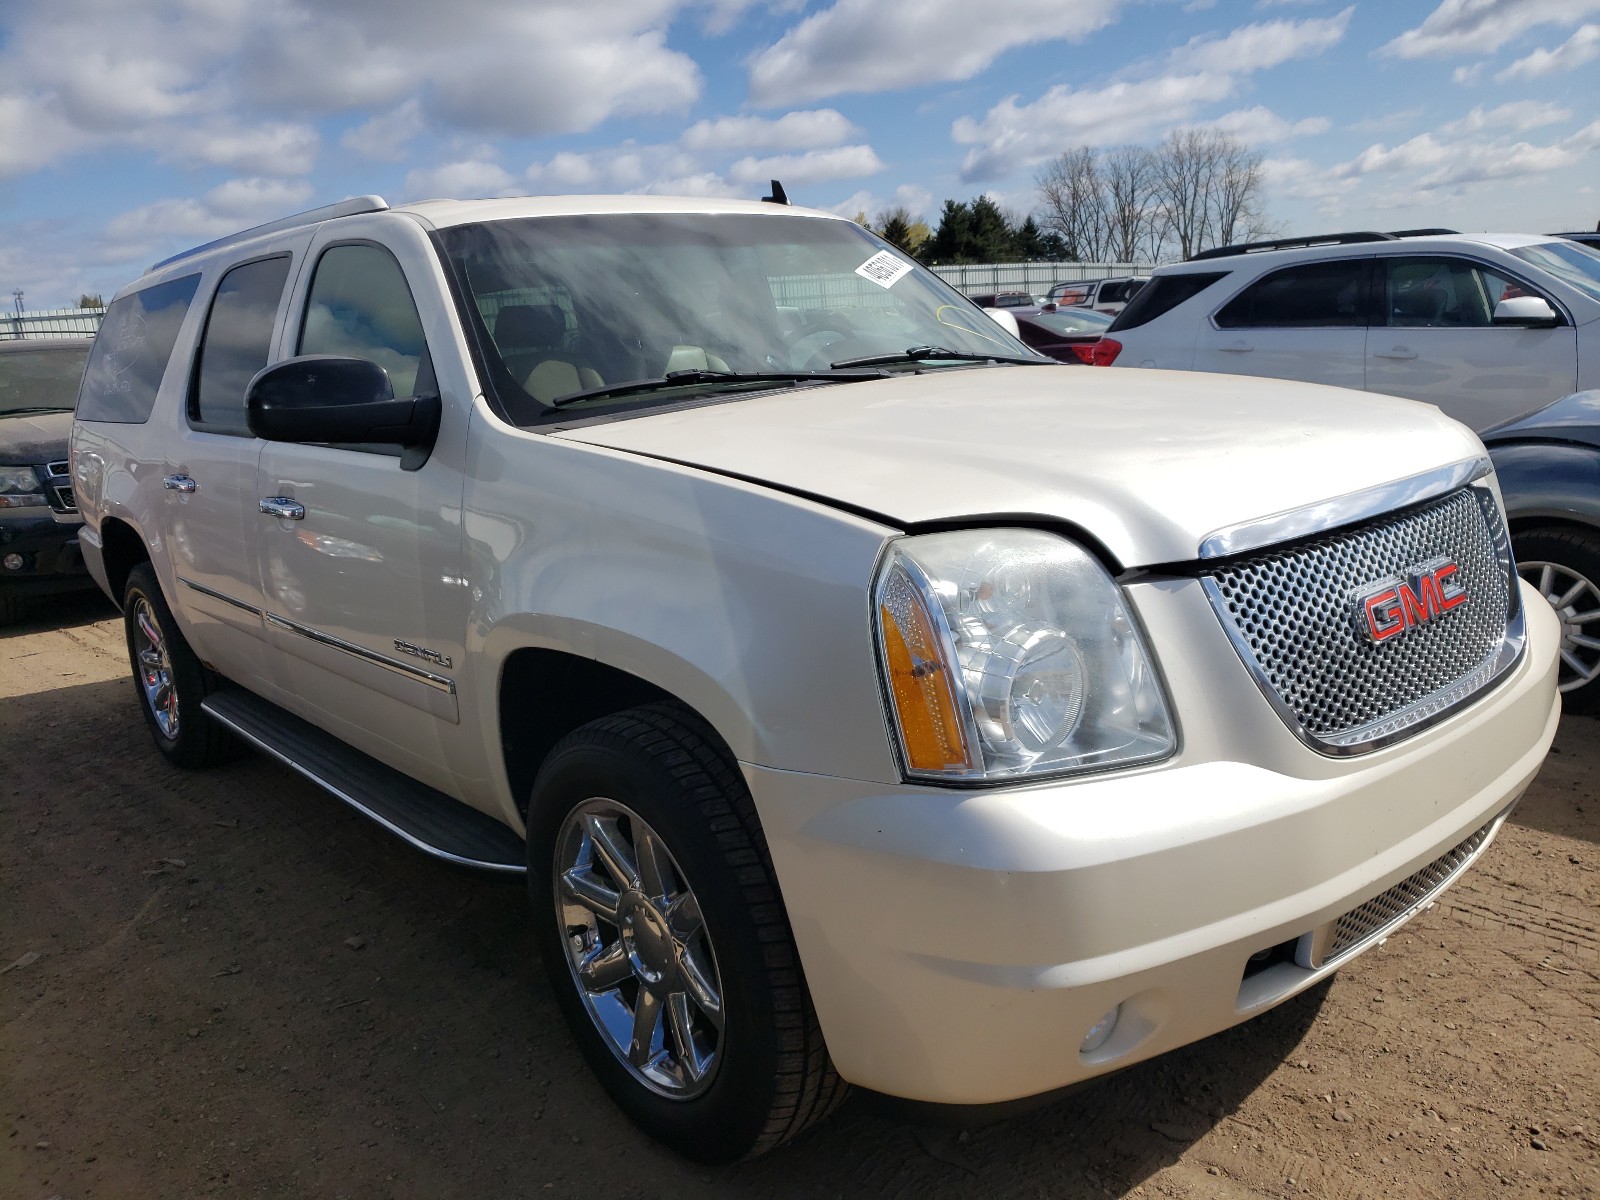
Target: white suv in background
[{"x": 1486, "y": 326}]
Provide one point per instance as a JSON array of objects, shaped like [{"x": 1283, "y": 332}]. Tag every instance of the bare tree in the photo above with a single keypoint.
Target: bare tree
[
  {"x": 1072, "y": 201},
  {"x": 1236, "y": 214},
  {"x": 1186, "y": 170},
  {"x": 1127, "y": 175}
]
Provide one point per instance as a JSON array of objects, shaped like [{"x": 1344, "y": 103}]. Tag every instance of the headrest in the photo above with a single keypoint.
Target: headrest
[{"x": 530, "y": 325}]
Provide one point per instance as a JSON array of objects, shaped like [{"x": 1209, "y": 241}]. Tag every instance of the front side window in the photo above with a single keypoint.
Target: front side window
[
  {"x": 131, "y": 351},
  {"x": 567, "y": 305},
  {"x": 1445, "y": 293},
  {"x": 360, "y": 306},
  {"x": 1309, "y": 296},
  {"x": 236, "y": 342}
]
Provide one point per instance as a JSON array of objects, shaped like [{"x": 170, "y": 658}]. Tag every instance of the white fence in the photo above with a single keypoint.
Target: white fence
[
  {"x": 50, "y": 323},
  {"x": 1035, "y": 277}
]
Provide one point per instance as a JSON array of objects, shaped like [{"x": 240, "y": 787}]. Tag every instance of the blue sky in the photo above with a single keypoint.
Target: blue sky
[{"x": 130, "y": 129}]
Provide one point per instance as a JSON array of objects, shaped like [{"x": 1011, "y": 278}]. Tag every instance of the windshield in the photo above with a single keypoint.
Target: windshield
[
  {"x": 41, "y": 378},
  {"x": 1084, "y": 320},
  {"x": 564, "y": 305},
  {"x": 1574, "y": 264}
]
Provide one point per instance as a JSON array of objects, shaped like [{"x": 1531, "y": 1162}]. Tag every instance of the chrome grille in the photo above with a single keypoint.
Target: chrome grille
[
  {"x": 1291, "y": 614},
  {"x": 1367, "y": 921}
]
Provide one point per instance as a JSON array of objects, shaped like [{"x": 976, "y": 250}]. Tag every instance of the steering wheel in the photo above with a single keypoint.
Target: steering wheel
[{"x": 809, "y": 341}]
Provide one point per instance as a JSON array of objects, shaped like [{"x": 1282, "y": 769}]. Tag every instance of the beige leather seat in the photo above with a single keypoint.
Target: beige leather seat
[
  {"x": 537, "y": 333},
  {"x": 692, "y": 358}
]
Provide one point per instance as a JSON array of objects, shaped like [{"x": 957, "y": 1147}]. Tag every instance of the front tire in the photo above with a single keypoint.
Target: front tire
[
  {"x": 666, "y": 941},
  {"x": 168, "y": 678},
  {"x": 1564, "y": 564}
]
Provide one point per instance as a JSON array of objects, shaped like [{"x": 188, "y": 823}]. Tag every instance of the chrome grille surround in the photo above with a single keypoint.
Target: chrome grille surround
[
  {"x": 1288, "y": 612},
  {"x": 1377, "y": 917}
]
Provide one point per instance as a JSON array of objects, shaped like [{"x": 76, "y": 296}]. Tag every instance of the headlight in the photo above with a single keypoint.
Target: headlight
[
  {"x": 19, "y": 488},
  {"x": 1010, "y": 652}
]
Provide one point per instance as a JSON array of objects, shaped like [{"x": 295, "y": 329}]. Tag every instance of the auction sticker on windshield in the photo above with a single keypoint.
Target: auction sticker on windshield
[{"x": 883, "y": 269}]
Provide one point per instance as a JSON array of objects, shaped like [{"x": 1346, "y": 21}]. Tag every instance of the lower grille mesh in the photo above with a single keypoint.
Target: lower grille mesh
[{"x": 1359, "y": 924}]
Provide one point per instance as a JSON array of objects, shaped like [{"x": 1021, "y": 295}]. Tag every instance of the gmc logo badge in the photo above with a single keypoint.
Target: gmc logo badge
[{"x": 1389, "y": 607}]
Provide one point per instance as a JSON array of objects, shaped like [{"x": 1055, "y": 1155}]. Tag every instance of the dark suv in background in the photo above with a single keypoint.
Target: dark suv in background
[{"x": 39, "y": 519}]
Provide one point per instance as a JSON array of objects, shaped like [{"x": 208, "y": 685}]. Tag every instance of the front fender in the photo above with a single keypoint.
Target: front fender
[{"x": 1549, "y": 480}]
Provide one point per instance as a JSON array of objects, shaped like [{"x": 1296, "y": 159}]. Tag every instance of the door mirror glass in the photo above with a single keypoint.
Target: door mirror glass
[{"x": 1525, "y": 310}]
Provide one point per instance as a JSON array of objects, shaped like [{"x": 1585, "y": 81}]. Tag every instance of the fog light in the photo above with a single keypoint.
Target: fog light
[
  {"x": 1100, "y": 1032},
  {"x": 14, "y": 562}
]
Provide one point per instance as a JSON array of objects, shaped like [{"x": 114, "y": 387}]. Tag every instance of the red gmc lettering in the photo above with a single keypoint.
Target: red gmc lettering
[{"x": 1430, "y": 591}]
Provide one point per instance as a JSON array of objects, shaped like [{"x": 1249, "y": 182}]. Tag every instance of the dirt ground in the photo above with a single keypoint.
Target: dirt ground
[{"x": 226, "y": 984}]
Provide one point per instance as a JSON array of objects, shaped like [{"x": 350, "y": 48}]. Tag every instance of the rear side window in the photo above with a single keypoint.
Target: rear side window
[
  {"x": 236, "y": 342},
  {"x": 1161, "y": 295},
  {"x": 1307, "y": 296},
  {"x": 131, "y": 351}
]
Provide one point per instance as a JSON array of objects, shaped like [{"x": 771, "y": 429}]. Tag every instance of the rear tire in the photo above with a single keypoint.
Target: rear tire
[
  {"x": 1563, "y": 563},
  {"x": 168, "y": 679},
  {"x": 656, "y": 910}
]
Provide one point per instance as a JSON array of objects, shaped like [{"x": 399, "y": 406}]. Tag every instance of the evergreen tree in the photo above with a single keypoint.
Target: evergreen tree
[
  {"x": 952, "y": 240},
  {"x": 992, "y": 238}
]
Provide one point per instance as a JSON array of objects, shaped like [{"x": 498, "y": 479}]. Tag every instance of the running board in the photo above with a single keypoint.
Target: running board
[{"x": 434, "y": 823}]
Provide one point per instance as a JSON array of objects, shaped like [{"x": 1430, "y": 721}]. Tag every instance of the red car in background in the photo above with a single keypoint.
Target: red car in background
[{"x": 1066, "y": 334}]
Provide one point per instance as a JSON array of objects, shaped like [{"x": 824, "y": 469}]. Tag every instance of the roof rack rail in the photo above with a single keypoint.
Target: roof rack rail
[
  {"x": 313, "y": 216},
  {"x": 1296, "y": 243},
  {"x": 1405, "y": 233}
]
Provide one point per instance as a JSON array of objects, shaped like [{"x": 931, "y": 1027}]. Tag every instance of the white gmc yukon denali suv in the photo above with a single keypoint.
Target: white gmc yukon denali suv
[{"x": 866, "y": 699}]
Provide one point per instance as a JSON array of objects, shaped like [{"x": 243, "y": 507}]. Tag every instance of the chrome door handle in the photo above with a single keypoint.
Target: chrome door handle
[
  {"x": 283, "y": 506},
  {"x": 179, "y": 483},
  {"x": 1399, "y": 352}
]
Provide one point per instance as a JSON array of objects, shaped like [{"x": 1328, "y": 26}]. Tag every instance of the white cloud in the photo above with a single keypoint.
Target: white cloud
[
  {"x": 226, "y": 208},
  {"x": 915, "y": 199},
  {"x": 387, "y": 135},
  {"x": 615, "y": 169},
  {"x": 1467, "y": 76},
  {"x": 1014, "y": 135},
  {"x": 1432, "y": 163},
  {"x": 467, "y": 179},
  {"x": 792, "y": 131},
  {"x": 1460, "y": 27},
  {"x": 98, "y": 73},
  {"x": 269, "y": 148},
  {"x": 703, "y": 183},
  {"x": 1258, "y": 47},
  {"x": 1581, "y": 48},
  {"x": 883, "y": 45},
  {"x": 1205, "y": 70},
  {"x": 814, "y": 166},
  {"x": 1516, "y": 115},
  {"x": 1258, "y": 125}
]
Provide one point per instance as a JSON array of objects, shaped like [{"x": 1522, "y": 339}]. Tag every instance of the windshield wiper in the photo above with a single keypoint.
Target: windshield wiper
[
  {"x": 693, "y": 376},
  {"x": 34, "y": 408},
  {"x": 936, "y": 354}
]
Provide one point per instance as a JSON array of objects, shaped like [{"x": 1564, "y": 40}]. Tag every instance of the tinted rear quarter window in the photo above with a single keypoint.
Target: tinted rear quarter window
[
  {"x": 1306, "y": 296},
  {"x": 236, "y": 342},
  {"x": 1161, "y": 295},
  {"x": 131, "y": 352}
]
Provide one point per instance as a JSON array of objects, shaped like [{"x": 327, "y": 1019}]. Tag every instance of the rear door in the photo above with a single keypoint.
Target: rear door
[
  {"x": 1436, "y": 341},
  {"x": 209, "y": 477},
  {"x": 1307, "y": 321}
]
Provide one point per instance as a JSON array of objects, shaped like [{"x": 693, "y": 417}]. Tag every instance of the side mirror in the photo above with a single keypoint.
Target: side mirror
[
  {"x": 1532, "y": 312},
  {"x": 327, "y": 398},
  {"x": 1005, "y": 320}
]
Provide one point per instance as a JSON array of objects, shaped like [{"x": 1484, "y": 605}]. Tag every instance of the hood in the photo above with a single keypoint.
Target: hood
[
  {"x": 40, "y": 438},
  {"x": 1574, "y": 418},
  {"x": 1148, "y": 462}
]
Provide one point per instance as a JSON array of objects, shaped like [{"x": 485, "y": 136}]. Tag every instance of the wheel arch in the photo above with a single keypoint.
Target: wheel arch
[
  {"x": 545, "y": 693},
  {"x": 121, "y": 549}
]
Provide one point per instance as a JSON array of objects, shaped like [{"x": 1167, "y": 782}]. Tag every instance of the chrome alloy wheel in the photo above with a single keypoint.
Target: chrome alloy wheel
[
  {"x": 638, "y": 949},
  {"x": 1576, "y": 600},
  {"x": 155, "y": 669}
]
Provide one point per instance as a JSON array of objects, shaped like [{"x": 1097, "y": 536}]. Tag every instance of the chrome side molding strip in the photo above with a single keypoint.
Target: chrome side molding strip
[
  {"x": 216, "y": 595},
  {"x": 1341, "y": 510},
  {"x": 438, "y": 682}
]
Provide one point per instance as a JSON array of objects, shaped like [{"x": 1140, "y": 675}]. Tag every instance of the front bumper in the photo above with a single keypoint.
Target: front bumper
[
  {"x": 959, "y": 945},
  {"x": 47, "y": 545}
]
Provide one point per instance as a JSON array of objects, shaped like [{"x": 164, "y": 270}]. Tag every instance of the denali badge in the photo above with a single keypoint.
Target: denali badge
[
  {"x": 422, "y": 652},
  {"x": 1391, "y": 606}
]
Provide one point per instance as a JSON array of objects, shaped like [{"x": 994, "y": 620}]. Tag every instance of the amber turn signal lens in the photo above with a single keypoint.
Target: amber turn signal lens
[{"x": 931, "y": 729}]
